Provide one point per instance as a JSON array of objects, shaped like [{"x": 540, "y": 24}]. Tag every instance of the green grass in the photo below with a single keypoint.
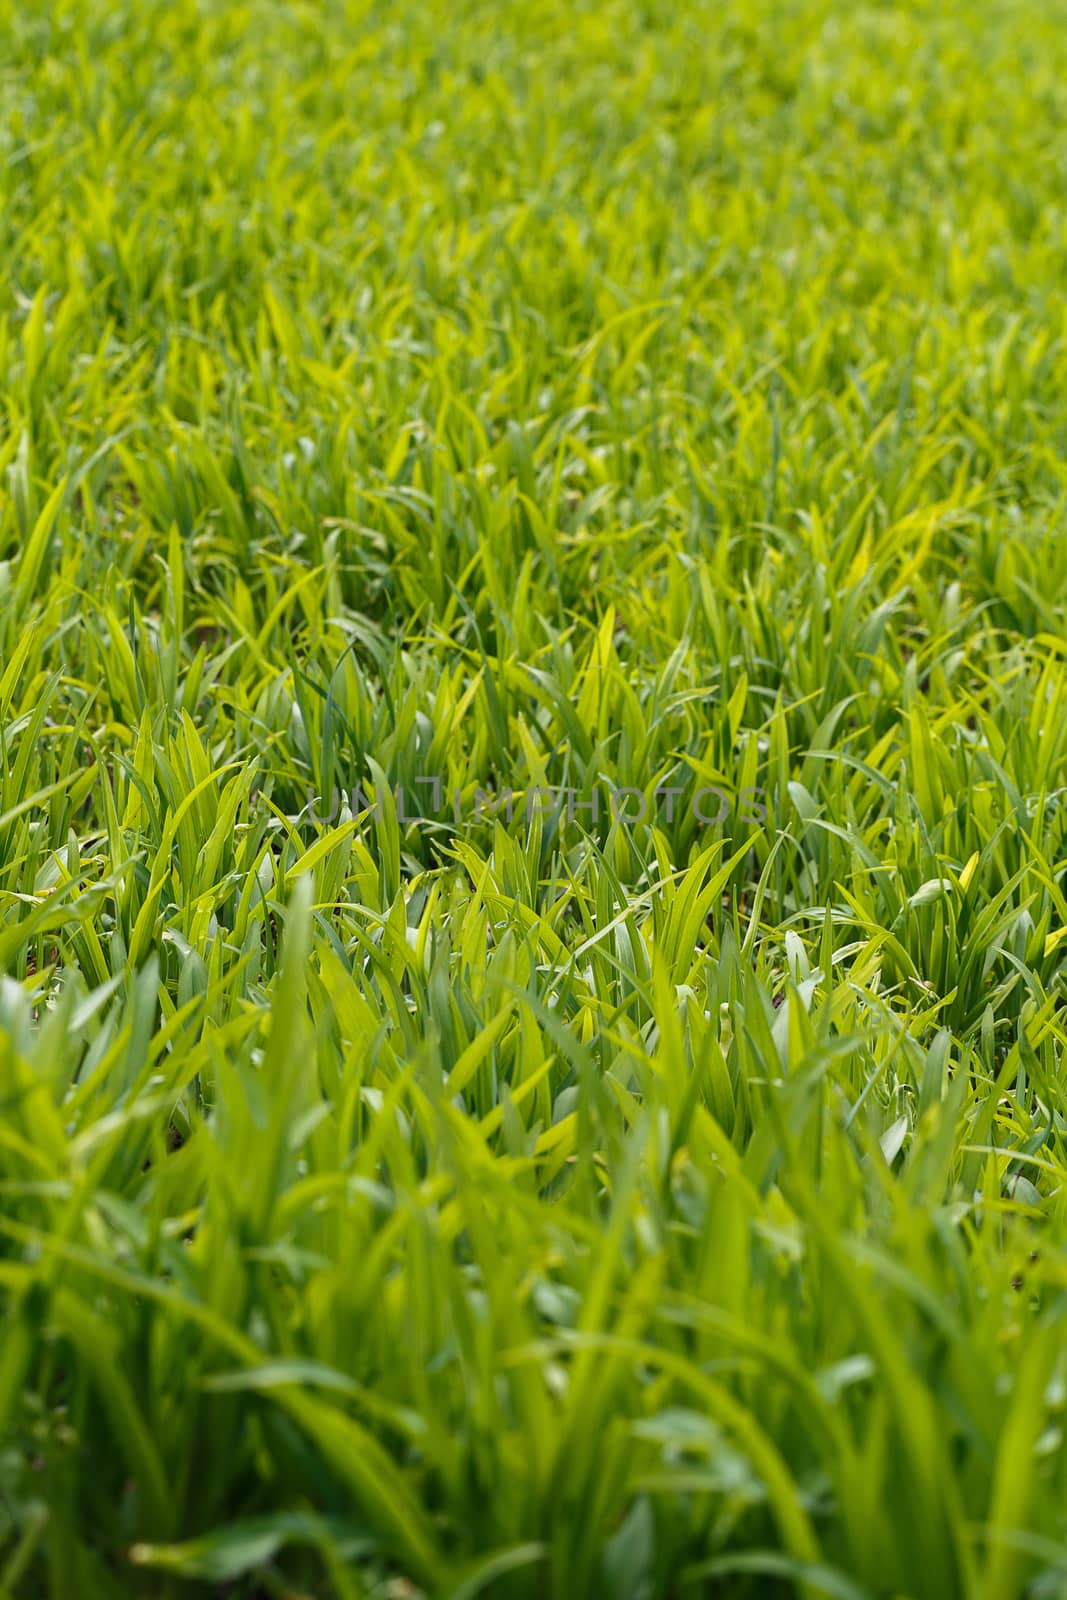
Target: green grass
[{"x": 422, "y": 1201}]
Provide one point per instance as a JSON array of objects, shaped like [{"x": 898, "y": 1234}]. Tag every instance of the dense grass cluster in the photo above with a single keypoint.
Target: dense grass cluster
[{"x": 427, "y": 1169}]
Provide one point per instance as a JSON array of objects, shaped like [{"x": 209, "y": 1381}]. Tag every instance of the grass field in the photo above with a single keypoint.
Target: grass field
[{"x": 533, "y": 734}]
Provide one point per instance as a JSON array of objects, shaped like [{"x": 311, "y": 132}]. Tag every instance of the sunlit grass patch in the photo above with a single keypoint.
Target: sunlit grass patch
[{"x": 532, "y": 756}]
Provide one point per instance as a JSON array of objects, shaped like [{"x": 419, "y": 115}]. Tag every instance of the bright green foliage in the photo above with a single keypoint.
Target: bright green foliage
[{"x": 539, "y": 397}]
